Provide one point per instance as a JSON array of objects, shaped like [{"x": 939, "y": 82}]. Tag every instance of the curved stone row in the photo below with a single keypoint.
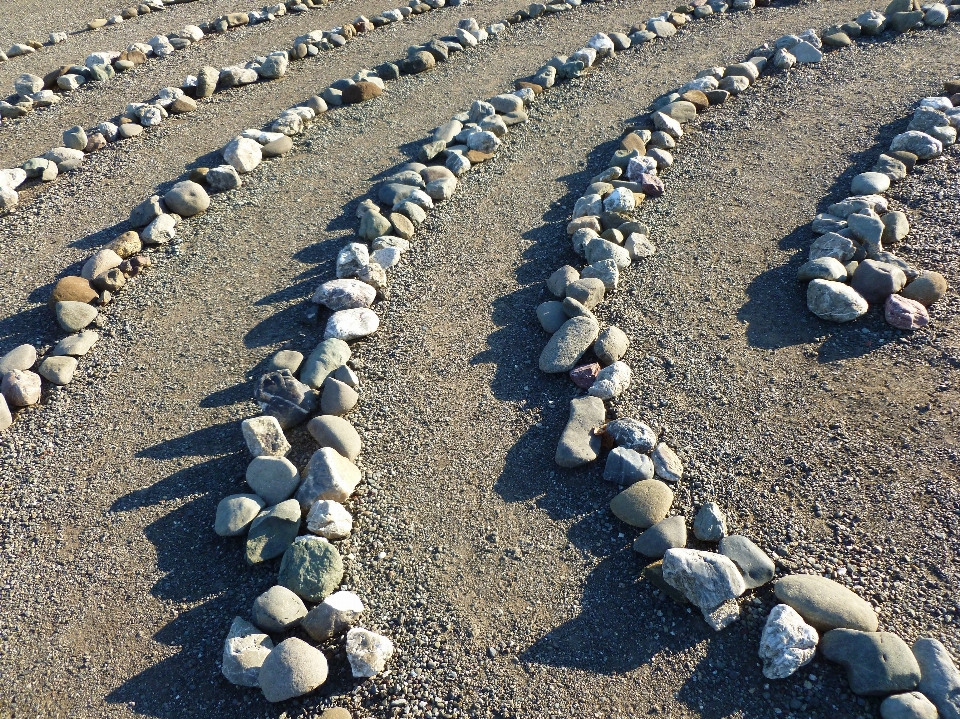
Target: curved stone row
[
  {"x": 851, "y": 265},
  {"x": 28, "y": 47},
  {"x": 917, "y": 681}
]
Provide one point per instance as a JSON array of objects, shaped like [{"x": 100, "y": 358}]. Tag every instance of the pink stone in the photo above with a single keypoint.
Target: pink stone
[
  {"x": 905, "y": 314},
  {"x": 21, "y": 388},
  {"x": 651, "y": 185},
  {"x": 584, "y": 375}
]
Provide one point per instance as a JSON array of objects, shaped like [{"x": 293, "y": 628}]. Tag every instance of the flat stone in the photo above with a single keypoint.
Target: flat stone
[
  {"x": 272, "y": 531},
  {"x": 643, "y": 504},
  {"x": 277, "y": 148},
  {"x": 335, "y": 615},
  {"x": 877, "y": 663},
  {"x": 235, "y": 513},
  {"x": 787, "y": 643},
  {"x": 670, "y": 533},
  {"x": 756, "y": 567},
  {"x": 822, "y": 268},
  {"x": 22, "y": 357},
  {"x": 336, "y": 433},
  {"x": 926, "y": 289},
  {"x": 275, "y": 479},
  {"x": 312, "y": 568},
  {"x": 278, "y": 610},
  {"x": 58, "y": 370},
  {"x": 835, "y": 301},
  {"x": 912, "y": 705},
  {"x": 329, "y": 519},
  {"x": 626, "y": 466},
  {"x": 292, "y": 669},
  {"x": 285, "y": 359},
  {"x": 74, "y": 316},
  {"x": 367, "y": 652},
  {"x": 264, "y": 437},
  {"x": 825, "y": 604},
  {"x": 666, "y": 463},
  {"x": 832, "y": 245},
  {"x": 588, "y": 291},
  {"x": 870, "y": 183},
  {"x": 939, "y": 678},
  {"x": 329, "y": 475},
  {"x": 710, "y": 524},
  {"x": 244, "y": 651},
  {"x": 324, "y": 360},
  {"x": 580, "y": 441}
]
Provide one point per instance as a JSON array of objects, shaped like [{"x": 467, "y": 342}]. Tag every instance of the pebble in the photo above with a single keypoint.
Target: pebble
[
  {"x": 187, "y": 199},
  {"x": 579, "y": 442},
  {"x": 235, "y": 513},
  {"x": 584, "y": 375},
  {"x": 611, "y": 381},
  {"x": 756, "y": 567},
  {"x": 912, "y": 705},
  {"x": 329, "y": 475},
  {"x": 336, "y": 433},
  {"x": 706, "y": 579},
  {"x": 626, "y": 466},
  {"x": 264, "y": 437},
  {"x": 58, "y": 370},
  {"x": 278, "y": 610},
  {"x": 825, "y": 604},
  {"x": 333, "y": 616},
  {"x": 926, "y": 289},
  {"x": 275, "y": 479},
  {"x": 367, "y": 652},
  {"x": 22, "y": 357},
  {"x": 786, "y": 643},
  {"x": 877, "y": 663},
  {"x": 643, "y": 504},
  {"x": 329, "y": 519},
  {"x": 244, "y": 651},
  {"x": 292, "y": 669},
  {"x": 74, "y": 316},
  {"x": 835, "y": 301},
  {"x": 569, "y": 343},
  {"x": 611, "y": 345},
  {"x": 272, "y": 531},
  {"x": 670, "y": 533},
  {"x": 312, "y": 568},
  {"x": 666, "y": 463},
  {"x": 325, "y": 359},
  {"x": 904, "y": 313},
  {"x": 710, "y": 524},
  {"x": 939, "y": 678}
]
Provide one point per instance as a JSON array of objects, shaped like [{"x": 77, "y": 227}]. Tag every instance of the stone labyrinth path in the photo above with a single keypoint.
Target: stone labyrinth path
[{"x": 469, "y": 360}]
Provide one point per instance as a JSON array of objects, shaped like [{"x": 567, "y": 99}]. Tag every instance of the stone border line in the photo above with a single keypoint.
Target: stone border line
[
  {"x": 849, "y": 267},
  {"x": 603, "y": 230},
  {"x": 28, "y": 47}
]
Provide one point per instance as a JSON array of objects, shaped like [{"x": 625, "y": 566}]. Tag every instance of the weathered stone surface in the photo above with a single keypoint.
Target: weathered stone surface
[
  {"x": 328, "y": 476},
  {"x": 710, "y": 524},
  {"x": 324, "y": 360},
  {"x": 281, "y": 395},
  {"x": 244, "y": 651},
  {"x": 918, "y": 143},
  {"x": 22, "y": 357},
  {"x": 611, "y": 345},
  {"x": 329, "y": 519},
  {"x": 58, "y": 370},
  {"x": 875, "y": 281},
  {"x": 877, "y": 663},
  {"x": 235, "y": 513},
  {"x": 912, "y": 705},
  {"x": 926, "y": 289},
  {"x": 825, "y": 604},
  {"x": 939, "y": 678},
  {"x": 333, "y": 616},
  {"x": 580, "y": 441},
  {"x": 278, "y": 610},
  {"x": 187, "y": 199},
  {"x": 264, "y": 436},
  {"x": 312, "y": 568},
  {"x": 632, "y": 434},
  {"x": 569, "y": 344},
  {"x": 626, "y": 466},
  {"x": 707, "y": 580},
  {"x": 273, "y": 478},
  {"x": 787, "y": 643},
  {"x": 292, "y": 669},
  {"x": 336, "y": 433},
  {"x": 835, "y": 301},
  {"x": 74, "y": 316},
  {"x": 643, "y": 504},
  {"x": 367, "y": 652},
  {"x": 904, "y": 313},
  {"x": 272, "y": 531}
]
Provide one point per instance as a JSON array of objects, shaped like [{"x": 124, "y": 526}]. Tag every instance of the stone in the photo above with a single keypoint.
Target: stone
[
  {"x": 244, "y": 651},
  {"x": 160, "y": 231},
  {"x": 666, "y": 463},
  {"x": 584, "y": 375},
  {"x": 627, "y": 466},
  {"x": 274, "y": 66},
  {"x": 277, "y": 148},
  {"x": 710, "y": 524},
  {"x": 918, "y": 143},
  {"x": 333, "y": 616},
  {"x": 347, "y": 376},
  {"x": 872, "y": 22},
  {"x": 936, "y": 15},
  {"x": 65, "y": 157},
  {"x": 27, "y": 84},
  {"x": 903, "y": 21},
  {"x": 870, "y": 183},
  {"x": 59, "y": 370},
  {"x": 292, "y": 669},
  {"x": 756, "y": 567},
  {"x": 639, "y": 246},
  {"x": 351, "y": 324},
  {"x": 895, "y": 228},
  {"x": 74, "y": 316},
  {"x": 207, "y": 79},
  {"x": 6, "y": 418},
  {"x": 13, "y": 178},
  {"x": 825, "y": 604},
  {"x": 604, "y": 270},
  {"x": 324, "y": 360},
  {"x": 912, "y": 705},
  {"x": 877, "y": 663},
  {"x": 264, "y": 437},
  {"x": 223, "y": 178},
  {"x": 580, "y": 441},
  {"x": 631, "y": 434},
  {"x": 75, "y": 345},
  {"x": 329, "y": 519},
  {"x": 822, "y": 268},
  {"x": 786, "y": 643},
  {"x": 612, "y": 381},
  {"x": 72, "y": 289},
  {"x": 235, "y": 513},
  {"x": 37, "y": 167},
  {"x": 129, "y": 130},
  {"x": 707, "y": 580},
  {"x": 75, "y": 138},
  {"x": 926, "y": 289},
  {"x": 904, "y": 313},
  {"x": 103, "y": 260},
  {"x": 670, "y": 533},
  {"x": 551, "y": 316},
  {"x": 336, "y": 433},
  {"x": 282, "y": 396},
  {"x": 939, "y": 678},
  {"x": 278, "y": 610},
  {"x": 804, "y": 52},
  {"x": 734, "y": 84},
  {"x": 875, "y": 281},
  {"x": 21, "y": 388},
  {"x": 832, "y": 245},
  {"x": 285, "y": 359},
  {"x": 272, "y": 531},
  {"x": 643, "y": 504},
  {"x": 361, "y": 92},
  {"x": 835, "y": 301},
  {"x": 187, "y": 199},
  {"x": 273, "y": 478},
  {"x": 611, "y": 345},
  {"x": 243, "y": 154},
  {"x": 569, "y": 344},
  {"x": 329, "y": 475},
  {"x": 312, "y": 568},
  {"x": 22, "y": 357},
  {"x": 367, "y": 652},
  {"x": 588, "y": 291},
  {"x": 337, "y": 398}
]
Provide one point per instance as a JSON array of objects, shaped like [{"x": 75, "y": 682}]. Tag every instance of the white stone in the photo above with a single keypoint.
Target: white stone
[
  {"x": 329, "y": 519},
  {"x": 12, "y": 179},
  {"x": 602, "y": 43},
  {"x": 620, "y": 200},
  {"x": 345, "y": 294},
  {"x": 351, "y": 259},
  {"x": 261, "y": 136},
  {"x": 352, "y": 324},
  {"x": 8, "y": 198},
  {"x": 244, "y": 652},
  {"x": 612, "y": 381},
  {"x": 787, "y": 642},
  {"x": 367, "y": 652},
  {"x": 706, "y": 579},
  {"x": 160, "y": 231},
  {"x": 264, "y": 436},
  {"x": 666, "y": 463},
  {"x": 243, "y": 153},
  {"x": 103, "y": 260},
  {"x": 668, "y": 125}
]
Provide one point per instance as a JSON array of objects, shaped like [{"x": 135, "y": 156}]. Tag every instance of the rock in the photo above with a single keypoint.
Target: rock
[
  {"x": 631, "y": 434},
  {"x": 74, "y": 316},
  {"x": 580, "y": 442},
  {"x": 75, "y": 138},
  {"x": 877, "y": 663},
  {"x": 875, "y": 281},
  {"x": 551, "y": 316},
  {"x": 367, "y": 652},
  {"x": 223, "y": 178},
  {"x": 600, "y": 249},
  {"x": 59, "y": 370},
  {"x": 639, "y": 246},
  {"x": 822, "y": 268},
  {"x": 264, "y": 437},
  {"x": 337, "y": 398},
  {"x": 612, "y": 381},
  {"x": 920, "y": 144},
  {"x": 336, "y": 433},
  {"x": 187, "y": 199},
  {"x": 72, "y": 289},
  {"x": 22, "y": 357},
  {"x": 207, "y": 79},
  {"x": 834, "y": 301},
  {"x": 235, "y": 513},
  {"x": 833, "y": 245},
  {"x": 787, "y": 643},
  {"x": 643, "y": 504},
  {"x": 329, "y": 519},
  {"x": 105, "y": 259},
  {"x": 182, "y": 106},
  {"x": 329, "y": 475},
  {"x": 710, "y": 524},
  {"x": 20, "y": 388},
  {"x": 903, "y": 21},
  {"x": 312, "y": 568},
  {"x": 285, "y": 359},
  {"x": 825, "y": 604},
  {"x": 27, "y": 84},
  {"x": 280, "y": 395},
  {"x": 347, "y": 376},
  {"x": 324, "y": 360},
  {"x": 940, "y": 680},
  {"x": 708, "y": 581},
  {"x": 333, "y": 616},
  {"x": 904, "y": 313},
  {"x": 160, "y": 231},
  {"x": 277, "y": 148},
  {"x": 670, "y": 533},
  {"x": 804, "y": 52},
  {"x": 13, "y": 178},
  {"x": 129, "y": 130},
  {"x": 626, "y": 466},
  {"x": 243, "y": 154},
  {"x": 666, "y": 463},
  {"x": 588, "y": 291},
  {"x": 754, "y": 564},
  {"x": 292, "y": 669},
  {"x": 351, "y": 324},
  {"x": 584, "y": 375},
  {"x": 274, "y": 66},
  {"x": 244, "y": 651},
  {"x": 926, "y": 289},
  {"x": 75, "y": 345},
  {"x": 272, "y": 531},
  {"x": 273, "y": 478},
  {"x": 611, "y": 345},
  {"x": 895, "y": 228},
  {"x": 870, "y": 183},
  {"x": 872, "y": 22},
  {"x": 38, "y": 167},
  {"x": 6, "y": 419},
  {"x": 361, "y": 92},
  {"x": 912, "y": 705},
  {"x": 568, "y": 344},
  {"x": 278, "y": 610},
  {"x": 893, "y": 168}
]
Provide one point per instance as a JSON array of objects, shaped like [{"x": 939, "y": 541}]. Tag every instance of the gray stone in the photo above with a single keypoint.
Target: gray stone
[
  {"x": 632, "y": 434},
  {"x": 275, "y": 479},
  {"x": 604, "y": 270},
  {"x": 264, "y": 437},
  {"x": 707, "y": 580},
  {"x": 272, "y": 531},
  {"x": 825, "y": 604},
  {"x": 569, "y": 344},
  {"x": 756, "y": 567},
  {"x": 75, "y": 138},
  {"x": 223, "y": 178},
  {"x": 6, "y": 419},
  {"x": 292, "y": 669},
  {"x": 612, "y": 381},
  {"x": 835, "y": 301},
  {"x": 939, "y": 678},
  {"x": 580, "y": 442},
  {"x": 329, "y": 475},
  {"x": 710, "y": 524},
  {"x": 367, "y": 652},
  {"x": 912, "y": 705},
  {"x": 833, "y": 245},
  {"x": 551, "y": 315},
  {"x": 822, "y": 268},
  {"x": 666, "y": 463},
  {"x": 281, "y": 395},
  {"x": 337, "y": 398},
  {"x": 870, "y": 183},
  {"x": 891, "y": 167},
  {"x": 22, "y": 357},
  {"x": 588, "y": 291},
  {"x": 324, "y": 360},
  {"x": 312, "y": 568},
  {"x": 599, "y": 249},
  {"x": 235, "y": 513},
  {"x": 100, "y": 262},
  {"x": 21, "y": 388},
  {"x": 285, "y": 359},
  {"x": 244, "y": 651},
  {"x": 74, "y": 316},
  {"x": 333, "y": 616},
  {"x": 345, "y": 294},
  {"x": 670, "y": 533},
  {"x": 626, "y": 466},
  {"x": 875, "y": 281},
  {"x": 920, "y": 144},
  {"x": 787, "y": 643},
  {"x": 187, "y": 199},
  {"x": 804, "y": 52},
  {"x": 336, "y": 433},
  {"x": 643, "y": 504},
  {"x": 926, "y": 289},
  {"x": 278, "y": 610},
  {"x": 160, "y": 231},
  {"x": 895, "y": 228},
  {"x": 58, "y": 370},
  {"x": 868, "y": 229},
  {"x": 611, "y": 345},
  {"x": 877, "y": 663},
  {"x": 27, "y": 84},
  {"x": 825, "y": 222}
]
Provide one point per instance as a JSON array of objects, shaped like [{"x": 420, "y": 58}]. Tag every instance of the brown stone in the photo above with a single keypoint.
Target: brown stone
[
  {"x": 72, "y": 289},
  {"x": 95, "y": 142},
  {"x": 476, "y": 157},
  {"x": 199, "y": 174},
  {"x": 521, "y": 84},
  {"x": 278, "y": 147},
  {"x": 360, "y": 92},
  {"x": 137, "y": 57},
  {"x": 96, "y": 24},
  {"x": 182, "y": 105},
  {"x": 951, "y": 87},
  {"x": 697, "y": 99},
  {"x": 35, "y": 44},
  {"x": 50, "y": 79},
  {"x": 402, "y": 226},
  {"x": 236, "y": 19},
  {"x": 129, "y": 13},
  {"x": 632, "y": 141}
]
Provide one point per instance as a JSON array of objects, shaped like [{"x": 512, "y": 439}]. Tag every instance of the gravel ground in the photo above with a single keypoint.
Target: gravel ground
[{"x": 506, "y": 584}]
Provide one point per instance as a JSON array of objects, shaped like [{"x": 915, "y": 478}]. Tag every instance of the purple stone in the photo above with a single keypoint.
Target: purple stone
[
  {"x": 651, "y": 184},
  {"x": 584, "y": 375},
  {"x": 904, "y": 314}
]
